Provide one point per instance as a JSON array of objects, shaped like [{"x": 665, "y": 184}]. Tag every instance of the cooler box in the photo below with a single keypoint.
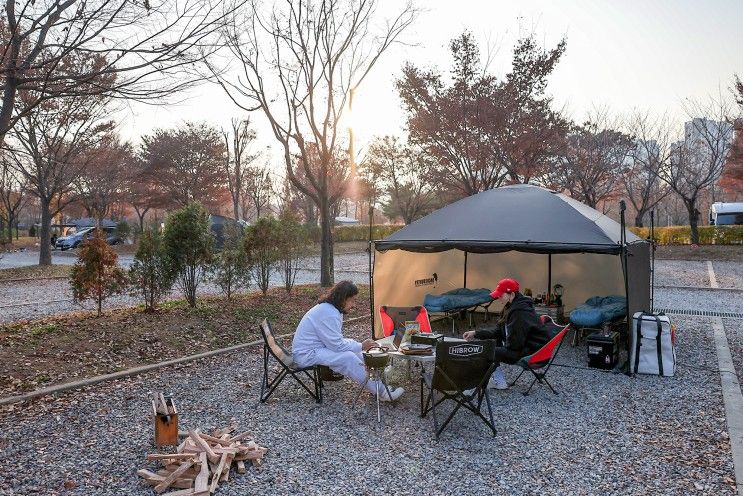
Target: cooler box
[{"x": 603, "y": 349}]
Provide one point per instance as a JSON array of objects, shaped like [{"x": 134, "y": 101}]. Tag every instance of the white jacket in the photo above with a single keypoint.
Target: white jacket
[{"x": 321, "y": 327}]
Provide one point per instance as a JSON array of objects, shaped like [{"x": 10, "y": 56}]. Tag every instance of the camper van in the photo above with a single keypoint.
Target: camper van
[{"x": 726, "y": 214}]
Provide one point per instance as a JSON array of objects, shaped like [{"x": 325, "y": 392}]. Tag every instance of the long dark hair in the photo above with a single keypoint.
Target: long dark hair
[{"x": 338, "y": 294}]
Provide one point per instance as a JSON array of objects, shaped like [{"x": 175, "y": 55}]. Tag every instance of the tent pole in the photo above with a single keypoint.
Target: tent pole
[
  {"x": 623, "y": 254},
  {"x": 465, "y": 270},
  {"x": 549, "y": 278},
  {"x": 371, "y": 287},
  {"x": 652, "y": 260}
]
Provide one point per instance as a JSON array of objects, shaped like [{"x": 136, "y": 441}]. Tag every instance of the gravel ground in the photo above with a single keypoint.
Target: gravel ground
[
  {"x": 690, "y": 299},
  {"x": 729, "y": 274},
  {"x": 604, "y": 433},
  {"x": 347, "y": 266},
  {"x": 681, "y": 273},
  {"x": 734, "y": 331},
  {"x": 645, "y": 435}
]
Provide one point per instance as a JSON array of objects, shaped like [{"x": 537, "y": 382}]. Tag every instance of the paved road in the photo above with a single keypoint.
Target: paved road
[{"x": 31, "y": 257}]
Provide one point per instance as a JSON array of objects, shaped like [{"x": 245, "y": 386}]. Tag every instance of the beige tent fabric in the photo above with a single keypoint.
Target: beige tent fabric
[{"x": 404, "y": 278}]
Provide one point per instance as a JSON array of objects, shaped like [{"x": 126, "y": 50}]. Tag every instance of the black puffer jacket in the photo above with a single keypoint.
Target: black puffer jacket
[{"x": 519, "y": 327}]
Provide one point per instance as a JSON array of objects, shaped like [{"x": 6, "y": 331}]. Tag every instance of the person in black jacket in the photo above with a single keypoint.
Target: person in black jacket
[{"x": 519, "y": 331}]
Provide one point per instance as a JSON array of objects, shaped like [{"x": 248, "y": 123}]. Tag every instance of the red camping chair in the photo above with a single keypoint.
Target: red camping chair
[
  {"x": 539, "y": 362},
  {"x": 395, "y": 317}
]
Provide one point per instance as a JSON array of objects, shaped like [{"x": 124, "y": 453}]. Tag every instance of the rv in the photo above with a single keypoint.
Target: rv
[{"x": 726, "y": 214}]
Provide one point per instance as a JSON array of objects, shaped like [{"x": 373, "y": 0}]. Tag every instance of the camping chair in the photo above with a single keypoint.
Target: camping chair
[
  {"x": 393, "y": 318},
  {"x": 460, "y": 374},
  {"x": 539, "y": 362},
  {"x": 272, "y": 348}
]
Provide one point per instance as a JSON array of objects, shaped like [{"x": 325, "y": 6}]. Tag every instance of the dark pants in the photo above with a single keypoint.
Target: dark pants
[{"x": 501, "y": 354}]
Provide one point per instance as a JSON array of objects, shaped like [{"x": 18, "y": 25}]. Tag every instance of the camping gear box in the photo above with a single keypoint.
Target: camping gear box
[
  {"x": 652, "y": 345},
  {"x": 603, "y": 349}
]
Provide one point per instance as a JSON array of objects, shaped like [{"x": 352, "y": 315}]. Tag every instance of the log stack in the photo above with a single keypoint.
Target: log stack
[{"x": 202, "y": 461}]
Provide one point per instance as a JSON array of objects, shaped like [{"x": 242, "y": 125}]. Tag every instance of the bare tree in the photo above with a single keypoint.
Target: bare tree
[
  {"x": 13, "y": 195},
  {"x": 593, "y": 161},
  {"x": 299, "y": 64},
  {"x": 50, "y": 152},
  {"x": 257, "y": 189},
  {"x": 698, "y": 160},
  {"x": 102, "y": 182},
  {"x": 404, "y": 171},
  {"x": 238, "y": 158},
  {"x": 141, "y": 190},
  {"x": 650, "y": 154},
  {"x": 148, "y": 48}
]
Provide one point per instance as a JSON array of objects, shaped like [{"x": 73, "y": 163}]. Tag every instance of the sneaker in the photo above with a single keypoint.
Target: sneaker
[
  {"x": 394, "y": 394},
  {"x": 499, "y": 383},
  {"x": 498, "y": 379}
]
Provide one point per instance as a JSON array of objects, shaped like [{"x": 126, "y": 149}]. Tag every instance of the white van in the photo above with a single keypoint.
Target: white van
[{"x": 726, "y": 214}]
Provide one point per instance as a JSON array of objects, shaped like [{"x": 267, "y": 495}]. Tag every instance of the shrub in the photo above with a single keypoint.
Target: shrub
[
  {"x": 361, "y": 232},
  {"x": 96, "y": 274},
  {"x": 32, "y": 231},
  {"x": 681, "y": 235},
  {"x": 151, "y": 275},
  {"x": 188, "y": 244},
  {"x": 231, "y": 270},
  {"x": 293, "y": 245},
  {"x": 123, "y": 230},
  {"x": 261, "y": 243}
]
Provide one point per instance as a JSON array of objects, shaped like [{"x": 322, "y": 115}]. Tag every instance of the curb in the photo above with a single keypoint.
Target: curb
[{"x": 136, "y": 370}]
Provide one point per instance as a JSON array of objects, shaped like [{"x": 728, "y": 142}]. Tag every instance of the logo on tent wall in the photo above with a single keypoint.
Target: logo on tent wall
[
  {"x": 427, "y": 281},
  {"x": 464, "y": 350}
]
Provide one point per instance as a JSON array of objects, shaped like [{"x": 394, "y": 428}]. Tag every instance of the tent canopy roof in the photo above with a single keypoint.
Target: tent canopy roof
[{"x": 520, "y": 217}]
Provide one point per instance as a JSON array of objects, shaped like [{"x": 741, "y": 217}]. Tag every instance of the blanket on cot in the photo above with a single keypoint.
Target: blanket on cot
[
  {"x": 598, "y": 310},
  {"x": 457, "y": 299}
]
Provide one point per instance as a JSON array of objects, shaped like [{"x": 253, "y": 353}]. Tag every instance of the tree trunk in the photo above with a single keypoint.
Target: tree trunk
[
  {"x": 45, "y": 252},
  {"x": 327, "y": 276},
  {"x": 10, "y": 228},
  {"x": 638, "y": 219},
  {"x": 236, "y": 207},
  {"x": 691, "y": 208}
]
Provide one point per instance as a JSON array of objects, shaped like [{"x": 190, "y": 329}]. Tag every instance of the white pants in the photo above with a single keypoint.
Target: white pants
[{"x": 348, "y": 363}]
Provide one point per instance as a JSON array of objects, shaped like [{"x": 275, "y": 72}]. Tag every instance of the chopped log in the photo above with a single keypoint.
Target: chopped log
[
  {"x": 240, "y": 467},
  {"x": 226, "y": 471},
  {"x": 170, "y": 456},
  {"x": 213, "y": 457},
  {"x": 173, "y": 476},
  {"x": 217, "y": 472},
  {"x": 223, "y": 442},
  {"x": 241, "y": 436},
  {"x": 202, "y": 480}
]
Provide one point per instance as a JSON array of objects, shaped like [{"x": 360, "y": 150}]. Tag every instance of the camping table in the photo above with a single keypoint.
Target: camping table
[{"x": 419, "y": 359}]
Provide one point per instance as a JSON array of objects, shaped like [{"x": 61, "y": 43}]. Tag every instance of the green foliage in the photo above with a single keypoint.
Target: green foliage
[
  {"x": 96, "y": 274},
  {"x": 32, "y": 231},
  {"x": 261, "y": 243},
  {"x": 294, "y": 240},
  {"x": 230, "y": 269},
  {"x": 151, "y": 274},
  {"x": 123, "y": 229},
  {"x": 681, "y": 235},
  {"x": 189, "y": 245}
]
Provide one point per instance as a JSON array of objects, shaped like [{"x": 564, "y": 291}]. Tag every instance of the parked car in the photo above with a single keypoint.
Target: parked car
[{"x": 74, "y": 240}]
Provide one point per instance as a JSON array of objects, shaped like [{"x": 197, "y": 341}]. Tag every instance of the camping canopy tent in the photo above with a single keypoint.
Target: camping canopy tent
[{"x": 537, "y": 236}]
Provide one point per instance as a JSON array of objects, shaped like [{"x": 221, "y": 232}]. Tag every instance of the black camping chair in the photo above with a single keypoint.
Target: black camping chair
[
  {"x": 460, "y": 374},
  {"x": 272, "y": 348}
]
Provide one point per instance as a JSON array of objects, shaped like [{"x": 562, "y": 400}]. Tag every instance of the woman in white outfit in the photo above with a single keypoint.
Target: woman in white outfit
[{"x": 319, "y": 339}]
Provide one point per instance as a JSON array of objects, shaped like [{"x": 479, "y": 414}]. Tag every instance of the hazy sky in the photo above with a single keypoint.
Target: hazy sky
[{"x": 621, "y": 54}]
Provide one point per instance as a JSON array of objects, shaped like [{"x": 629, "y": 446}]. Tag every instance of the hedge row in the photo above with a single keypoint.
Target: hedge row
[
  {"x": 681, "y": 235},
  {"x": 357, "y": 233}
]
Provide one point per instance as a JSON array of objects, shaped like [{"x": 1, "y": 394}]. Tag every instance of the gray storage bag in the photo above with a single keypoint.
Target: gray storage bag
[{"x": 652, "y": 347}]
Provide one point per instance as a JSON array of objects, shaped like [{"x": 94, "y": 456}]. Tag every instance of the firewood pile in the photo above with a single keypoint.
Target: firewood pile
[{"x": 202, "y": 461}]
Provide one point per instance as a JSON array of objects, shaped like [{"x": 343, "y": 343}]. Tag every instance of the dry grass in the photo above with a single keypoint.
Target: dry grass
[
  {"x": 35, "y": 272},
  {"x": 59, "y": 349}
]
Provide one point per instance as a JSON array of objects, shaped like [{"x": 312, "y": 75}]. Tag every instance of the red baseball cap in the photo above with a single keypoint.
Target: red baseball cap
[{"x": 505, "y": 286}]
